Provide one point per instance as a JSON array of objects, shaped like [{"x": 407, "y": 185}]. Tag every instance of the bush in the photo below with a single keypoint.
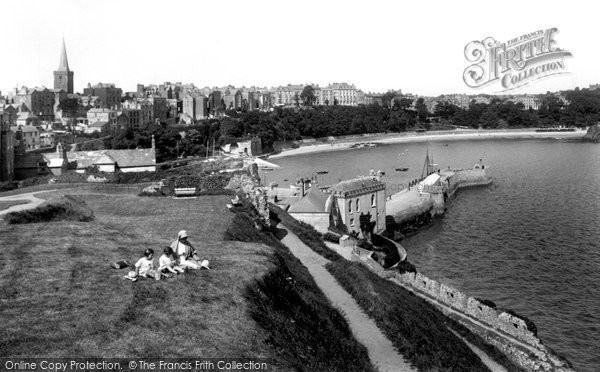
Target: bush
[
  {"x": 406, "y": 267},
  {"x": 332, "y": 237},
  {"x": 67, "y": 208},
  {"x": 8, "y": 185}
]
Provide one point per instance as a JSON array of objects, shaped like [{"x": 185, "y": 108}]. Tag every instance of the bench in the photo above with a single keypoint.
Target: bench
[{"x": 185, "y": 191}]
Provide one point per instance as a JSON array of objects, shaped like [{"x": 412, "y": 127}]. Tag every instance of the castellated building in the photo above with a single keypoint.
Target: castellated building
[{"x": 63, "y": 77}]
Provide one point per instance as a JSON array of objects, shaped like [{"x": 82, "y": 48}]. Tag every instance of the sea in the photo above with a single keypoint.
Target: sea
[{"x": 530, "y": 242}]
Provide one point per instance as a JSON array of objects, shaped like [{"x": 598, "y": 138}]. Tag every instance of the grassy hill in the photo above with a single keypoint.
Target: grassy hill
[{"x": 60, "y": 298}]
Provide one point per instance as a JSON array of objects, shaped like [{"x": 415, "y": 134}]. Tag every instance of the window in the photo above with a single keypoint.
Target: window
[
  {"x": 352, "y": 222},
  {"x": 373, "y": 201},
  {"x": 350, "y": 206},
  {"x": 357, "y": 205}
]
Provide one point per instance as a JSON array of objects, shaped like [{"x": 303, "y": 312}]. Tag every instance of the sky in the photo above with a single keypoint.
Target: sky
[{"x": 377, "y": 45}]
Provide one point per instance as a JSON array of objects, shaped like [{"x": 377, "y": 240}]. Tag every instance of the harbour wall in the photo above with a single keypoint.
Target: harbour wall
[
  {"x": 508, "y": 333},
  {"x": 434, "y": 203},
  {"x": 464, "y": 178}
]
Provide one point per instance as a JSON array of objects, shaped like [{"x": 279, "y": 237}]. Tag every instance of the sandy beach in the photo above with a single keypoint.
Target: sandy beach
[{"x": 347, "y": 143}]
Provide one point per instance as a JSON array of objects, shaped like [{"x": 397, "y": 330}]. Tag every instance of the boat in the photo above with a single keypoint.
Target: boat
[
  {"x": 380, "y": 254},
  {"x": 401, "y": 169},
  {"x": 322, "y": 172},
  {"x": 429, "y": 166}
]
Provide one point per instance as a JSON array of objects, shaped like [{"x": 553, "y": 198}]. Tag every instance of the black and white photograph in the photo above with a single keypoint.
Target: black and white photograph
[{"x": 375, "y": 186}]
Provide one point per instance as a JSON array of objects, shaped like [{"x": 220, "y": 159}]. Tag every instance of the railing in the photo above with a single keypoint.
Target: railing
[{"x": 433, "y": 189}]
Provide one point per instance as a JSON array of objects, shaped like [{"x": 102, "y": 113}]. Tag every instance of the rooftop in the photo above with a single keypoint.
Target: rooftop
[
  {"x": 313, "y": 202},
  {"x": 358, "y": 186}
]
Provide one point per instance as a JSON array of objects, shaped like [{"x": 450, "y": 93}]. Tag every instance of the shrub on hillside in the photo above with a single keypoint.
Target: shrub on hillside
[
  {"x": 66, "y": 208},
  {"x": 8, "y": 185},
  {"x": 406, "y": 267}
]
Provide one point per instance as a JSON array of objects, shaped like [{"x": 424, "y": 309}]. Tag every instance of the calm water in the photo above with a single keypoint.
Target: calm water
[{"x": 530, "y": 242}]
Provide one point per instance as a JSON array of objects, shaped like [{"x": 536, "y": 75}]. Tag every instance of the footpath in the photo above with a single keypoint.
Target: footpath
[
  {"x": 382, "y": 353},
  {"x": 32, "y": 202}
]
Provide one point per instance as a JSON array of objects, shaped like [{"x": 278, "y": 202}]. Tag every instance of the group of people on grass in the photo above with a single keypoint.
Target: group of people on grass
[{"x": 177, "y": 257}]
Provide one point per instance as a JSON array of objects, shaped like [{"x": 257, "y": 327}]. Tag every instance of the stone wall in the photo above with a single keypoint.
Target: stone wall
[
  {"x": 467, "y": 178},
  {"x": 249, "y": 184},
  {"x": 471, "y": 307}
]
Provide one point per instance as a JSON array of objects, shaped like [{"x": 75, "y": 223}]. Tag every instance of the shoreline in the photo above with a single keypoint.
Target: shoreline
[{"x": 346, "y": 143}]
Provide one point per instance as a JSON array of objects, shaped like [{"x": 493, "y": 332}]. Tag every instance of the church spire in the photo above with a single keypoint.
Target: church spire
[{"x": 64, "y": 63}]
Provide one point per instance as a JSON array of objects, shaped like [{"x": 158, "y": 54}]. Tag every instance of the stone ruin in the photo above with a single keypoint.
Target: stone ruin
[{"x": 249, "y": 184}]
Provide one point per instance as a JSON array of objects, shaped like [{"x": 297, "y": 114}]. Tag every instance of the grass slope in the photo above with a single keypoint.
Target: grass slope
[
  {"x": 58, "y": 296},
  {"x": 419, "y": 331},
  {"x": 307, "y": 332},
  {"x": 415, "y": 327}
]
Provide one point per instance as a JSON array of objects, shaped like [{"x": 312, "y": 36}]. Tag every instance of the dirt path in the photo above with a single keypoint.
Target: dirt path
[{"x": 381, "y": 351}]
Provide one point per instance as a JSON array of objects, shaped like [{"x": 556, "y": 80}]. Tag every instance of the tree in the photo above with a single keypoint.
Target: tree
[
  {"x": 69, "y": 107},
  {"x": 308, "y": 96},
  {"x": 445, "y": 110},
  {"x": 421, "y": 108},
  {"x": 297, "y": 99},
  {"x": 402, "y": 103}
]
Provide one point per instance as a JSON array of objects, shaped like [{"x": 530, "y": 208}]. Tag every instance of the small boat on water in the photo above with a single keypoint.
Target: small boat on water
[
  {"x": 401, "y": 169},
  {"x": 380, "y": 254},
  {"x": 322, "y": 172}
]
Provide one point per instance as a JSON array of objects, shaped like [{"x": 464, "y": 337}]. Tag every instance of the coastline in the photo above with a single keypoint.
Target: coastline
[{"x": 346, "y": 143}]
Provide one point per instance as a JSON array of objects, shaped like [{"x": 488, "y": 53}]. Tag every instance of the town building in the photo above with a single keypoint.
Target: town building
[
  {"x": 108, "y": 95},
  {"x": 288, "y": 95},
  {"x": 311, "y": 209},
  {"x": 195, "y": 107},
  {"x": 105, "y": 115},
  {"x": 160, "y": 108},
  {"x": 356, "y": 197},
  {"x": 39, "y": 101},
  {"x": 7, "y": 150},
  {"x": 109, "y": 161},
  {"x": 343, "y": 94},
  {"x": 214, "y": 103},
  {"x": 63, "y": 76},
  {"x": 144, "y": 105},
  {"x": 27, "y": 136},
  {"x": 528, "y": 101}
]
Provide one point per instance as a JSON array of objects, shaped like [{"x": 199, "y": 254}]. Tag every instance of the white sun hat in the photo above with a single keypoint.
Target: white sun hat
[{"x": 204, "y": 264}]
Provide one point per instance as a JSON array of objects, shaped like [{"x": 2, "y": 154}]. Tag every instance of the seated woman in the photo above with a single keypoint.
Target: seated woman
[{"x": 186, "y": 252}]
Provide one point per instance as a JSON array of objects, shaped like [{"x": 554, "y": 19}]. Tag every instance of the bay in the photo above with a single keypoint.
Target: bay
[{"x": 529, "y": 242}]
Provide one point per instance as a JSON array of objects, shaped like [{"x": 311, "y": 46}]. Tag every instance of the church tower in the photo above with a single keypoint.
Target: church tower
[{"x": 63, "y": 77}]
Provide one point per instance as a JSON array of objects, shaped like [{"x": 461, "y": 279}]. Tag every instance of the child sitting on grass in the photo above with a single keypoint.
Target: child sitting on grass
[
  {"x": 168, "y": 264},
  {"x": 144, "y": 267}
]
